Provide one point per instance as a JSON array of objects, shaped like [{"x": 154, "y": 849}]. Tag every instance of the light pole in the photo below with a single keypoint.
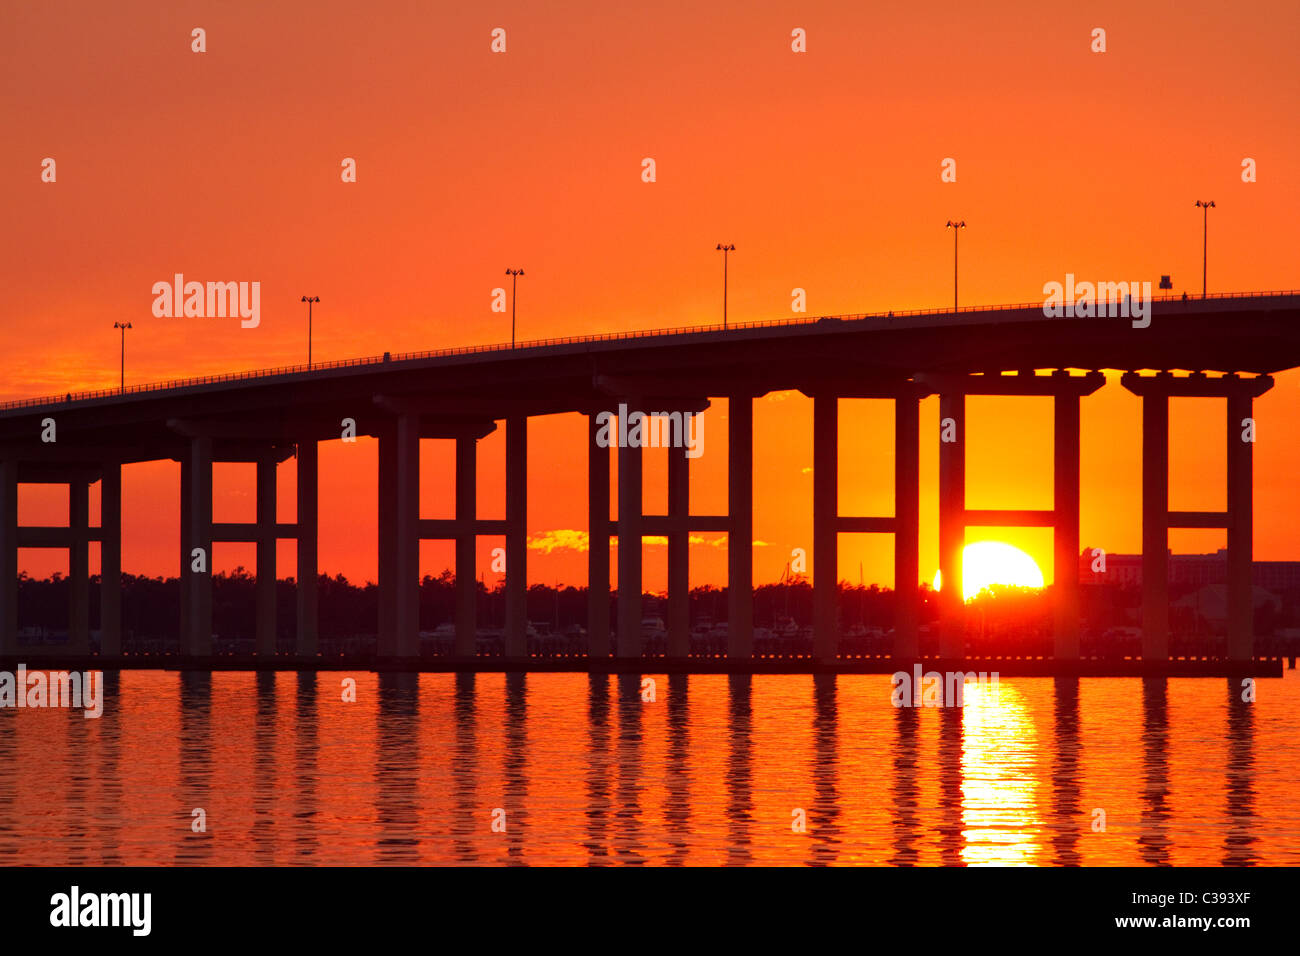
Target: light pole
[
  {"x": 514, "y": 275},
  {"x": 956, "y": 228},
  {"x": 724, "y": 249},
  {"x": 123, "y": 326},
  {"x": 309, "y": 299},
  {"x": 1205, "y": 239}
]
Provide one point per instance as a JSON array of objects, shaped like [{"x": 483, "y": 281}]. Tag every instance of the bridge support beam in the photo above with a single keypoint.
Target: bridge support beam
[
  {"x": 8, "y": 557},
  {"x": 1157, "y": 519},
  {"x": 401, "y": 529},
  {"x": 629, "y": 551},
  {"x": 406, "y": 537},
  {"x": 904, "y": 525},
  {"x": 1065, "y": 531},
  {"x": 598, "y": 527},
  {"x": 1155, "y": 527},
  {"x": 200, "y": 537},
  {"x": 826, "y": 429},
  {"x": 679, "y": 541},
  {"x": 952, "y": 522},
  {"x": 308, "y": 522},
  {"x": 1241, "y": 609},
  {"x": 186, "y": 537},
  {"x": 670, "y": 422},
  {"x": 954, "y": 517},
  {"x": 211, "y": 441},
  {"x": 387, "y": 543},
  {"x": 110, "y": 560},
  {"x": 907, "y": 518},
  {"x": 516, "y": 635},
  {"x": 76, "y": 537},
  {"x": 266, "y": 564},
  {"x": 79, "y": 566},
  {"x": 466, "y": 546},
  {"x": 740, "y": 538}
]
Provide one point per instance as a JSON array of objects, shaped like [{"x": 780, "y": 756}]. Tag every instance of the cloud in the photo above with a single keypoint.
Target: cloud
[
  {"x": 571, "y": 539},
  {"x": 561, "y": 539}
]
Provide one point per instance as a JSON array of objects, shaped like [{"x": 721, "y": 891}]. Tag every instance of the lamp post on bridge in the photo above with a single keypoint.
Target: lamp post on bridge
[
  {"x": 956, "y": 228},
  {"x": 514, "y": 275},
  {"x": 123, "y": 326},
  {"x": 724, "y": 249},
  {"x": 1205, "y": 239},
  {"x": 309, "y": 299}
]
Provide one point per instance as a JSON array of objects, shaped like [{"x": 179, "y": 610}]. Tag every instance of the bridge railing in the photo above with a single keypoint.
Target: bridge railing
[{"x": 389, "y": 358}]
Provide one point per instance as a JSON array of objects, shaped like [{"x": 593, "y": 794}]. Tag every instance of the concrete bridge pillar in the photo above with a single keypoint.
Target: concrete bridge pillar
[
  {"x": 629, "y": 551},
  {"x": 266, "y": 564},
  {"x": 1065, "y": 534},
  {"x": 1066, "y": 390},
  {"x": 598, "y": 543},
  {"x": 952, "y": 522},
  {"x": 466, "y": 545},
  {"x": 740, "y": 539},
  {"x": 387, "y": 550},
  {"x": 825, "y": 526},
  {"x": 406, "y": 588},
  {"x": 907, "y": 517},
  {"x": 679, "y": 536},
  {"x": 516, "y": 636},
  {"x": 79, "y": 566},
  {"x": 200, "y": 536},
  {"x": 308, "y": 515},
  {"x": 220, "y": 440},
  {"x": 1157, "y": 519},
  {"x": 110, "y": 560},
  {"x": 401, "y": 529},
  {"x": 1155, "y": 527},
  {"x": 8, "y": 557},
  {"x": 1240, "y": 520},
  {"x": 186, "y": 537},
  {"x": 828, "y": 523}
]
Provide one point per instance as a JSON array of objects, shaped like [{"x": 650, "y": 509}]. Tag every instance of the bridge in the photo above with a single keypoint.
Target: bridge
[{"x": 1226, "y": 346}]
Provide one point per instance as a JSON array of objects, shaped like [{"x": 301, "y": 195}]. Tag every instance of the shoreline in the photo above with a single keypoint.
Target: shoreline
[{"x": 1005, "y": 666}]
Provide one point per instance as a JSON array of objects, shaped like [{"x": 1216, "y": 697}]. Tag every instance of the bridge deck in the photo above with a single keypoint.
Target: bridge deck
[{"x": 1243, "y": 332}]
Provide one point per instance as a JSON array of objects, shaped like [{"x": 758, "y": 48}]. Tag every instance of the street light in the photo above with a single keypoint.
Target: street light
[
  {"x": 956, "y": 228},
  {"x": 724, "y": 249},
  {"x": 123, "y": 326},
  {"x": 309, "y": 299},
  {"x": 514, "y": 275},
  {"x": 1205, "y": 238}
]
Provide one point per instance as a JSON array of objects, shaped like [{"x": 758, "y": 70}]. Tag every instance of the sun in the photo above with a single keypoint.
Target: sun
[{"x": 994, "y": 562}]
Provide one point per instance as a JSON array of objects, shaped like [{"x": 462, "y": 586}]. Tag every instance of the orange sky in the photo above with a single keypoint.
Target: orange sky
[{"x": 823, "y": 169}]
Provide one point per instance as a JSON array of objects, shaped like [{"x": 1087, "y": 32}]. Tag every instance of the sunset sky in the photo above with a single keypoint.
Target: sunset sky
[{"x": 822, "y": 167}]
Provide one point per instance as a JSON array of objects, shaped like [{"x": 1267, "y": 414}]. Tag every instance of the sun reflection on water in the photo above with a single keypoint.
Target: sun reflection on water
[{"x": 1001, "y": 821}]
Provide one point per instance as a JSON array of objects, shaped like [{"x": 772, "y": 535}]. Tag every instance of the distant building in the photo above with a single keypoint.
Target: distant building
[
  {"x": 1123, "y": 569},
  {"x": 1192, "y": 570}
]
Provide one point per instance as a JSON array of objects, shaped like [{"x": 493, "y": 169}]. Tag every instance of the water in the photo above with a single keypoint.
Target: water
[{"x": 711, "y": 772}]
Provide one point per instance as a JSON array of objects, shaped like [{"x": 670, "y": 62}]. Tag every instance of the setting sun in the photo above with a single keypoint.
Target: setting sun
[{"x": 994, "y": 562}]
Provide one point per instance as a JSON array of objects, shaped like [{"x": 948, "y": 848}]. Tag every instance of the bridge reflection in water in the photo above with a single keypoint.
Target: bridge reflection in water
[{"x": 581, "y": 769}]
